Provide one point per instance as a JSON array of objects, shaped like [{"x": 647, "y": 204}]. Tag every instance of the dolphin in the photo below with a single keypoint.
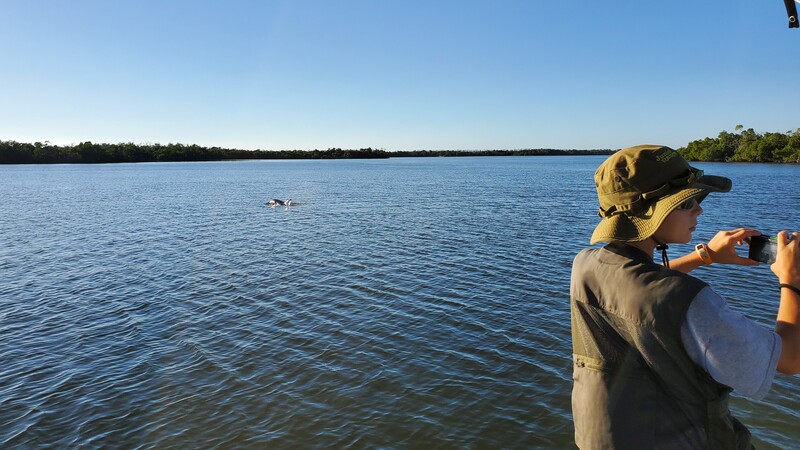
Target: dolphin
[{"x": 273, "y": 202}]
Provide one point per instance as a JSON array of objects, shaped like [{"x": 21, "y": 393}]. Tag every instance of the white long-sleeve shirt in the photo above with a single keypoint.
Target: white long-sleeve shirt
[{"x": 733, "y": 349}]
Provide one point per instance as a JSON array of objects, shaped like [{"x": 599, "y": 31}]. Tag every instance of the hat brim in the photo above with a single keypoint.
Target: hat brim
[{"x": 640, "y": 226}]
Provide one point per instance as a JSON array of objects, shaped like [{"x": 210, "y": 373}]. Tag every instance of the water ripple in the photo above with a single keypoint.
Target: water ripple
[{"x": 165, "y": 306}]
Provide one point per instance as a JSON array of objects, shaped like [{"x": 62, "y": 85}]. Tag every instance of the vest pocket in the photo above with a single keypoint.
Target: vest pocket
[{"x": 611, "y": 410}]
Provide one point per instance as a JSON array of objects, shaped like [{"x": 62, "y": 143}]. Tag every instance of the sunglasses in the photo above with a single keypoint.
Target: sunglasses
[{"x": 688, "y": 204}]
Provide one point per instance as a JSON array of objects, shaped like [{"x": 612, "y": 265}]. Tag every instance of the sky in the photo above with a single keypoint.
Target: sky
[{"x": 398, "y": 75}]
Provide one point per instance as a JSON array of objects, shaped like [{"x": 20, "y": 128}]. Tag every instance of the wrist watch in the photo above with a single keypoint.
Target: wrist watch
[{"x": 702, "y": 251}]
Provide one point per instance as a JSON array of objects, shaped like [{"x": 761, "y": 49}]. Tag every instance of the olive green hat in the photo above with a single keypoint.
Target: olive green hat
[{"x": 639, "y": 186}]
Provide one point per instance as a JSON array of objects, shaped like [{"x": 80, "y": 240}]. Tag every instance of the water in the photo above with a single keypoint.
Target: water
[{"x": 408, "y": 303}]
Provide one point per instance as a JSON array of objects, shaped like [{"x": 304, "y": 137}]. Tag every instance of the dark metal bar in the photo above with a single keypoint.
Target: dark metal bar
[{"x": 791, "y": 10}]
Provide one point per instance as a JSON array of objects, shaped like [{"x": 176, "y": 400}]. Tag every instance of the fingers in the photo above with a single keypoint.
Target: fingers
[
  {"x": 723, "y": 246},
  {"x": 738, "y": 235},
  {"x": 782, "y": 239},
  {"x": 787, "y": 261},
  {"x": 794, "y": 239},
  {"x": 744, "y": 234},
  {"x": 786, "y": 240}
]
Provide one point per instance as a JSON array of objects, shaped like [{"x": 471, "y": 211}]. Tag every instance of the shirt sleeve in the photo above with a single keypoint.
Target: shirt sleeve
[{"x": 733, "y": 349}]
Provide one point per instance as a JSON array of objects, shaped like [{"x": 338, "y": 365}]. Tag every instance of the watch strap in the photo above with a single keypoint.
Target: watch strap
[{"x": 702, "y": 252}]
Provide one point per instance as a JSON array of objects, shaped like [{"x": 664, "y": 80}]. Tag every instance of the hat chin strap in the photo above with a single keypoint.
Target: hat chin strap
[{"x": 663, "y": 248}]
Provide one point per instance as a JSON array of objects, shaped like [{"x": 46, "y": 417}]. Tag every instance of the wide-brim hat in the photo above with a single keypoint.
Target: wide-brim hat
[{"x": 639, "y": 186}]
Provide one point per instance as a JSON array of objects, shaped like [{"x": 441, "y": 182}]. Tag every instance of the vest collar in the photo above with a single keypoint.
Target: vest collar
[{"x": 629, "y": 252}]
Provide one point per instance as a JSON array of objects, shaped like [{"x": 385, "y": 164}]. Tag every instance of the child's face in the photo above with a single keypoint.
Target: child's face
[{"x": 679, "y": 225}]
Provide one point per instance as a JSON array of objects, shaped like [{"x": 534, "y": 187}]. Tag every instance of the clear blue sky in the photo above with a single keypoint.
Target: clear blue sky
[{"x": 399, "y": 75}]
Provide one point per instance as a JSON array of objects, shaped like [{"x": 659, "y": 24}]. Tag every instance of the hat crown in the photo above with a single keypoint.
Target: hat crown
[
  {"x": 640, "y": 186},
  {"x": 638, "y": 173}
]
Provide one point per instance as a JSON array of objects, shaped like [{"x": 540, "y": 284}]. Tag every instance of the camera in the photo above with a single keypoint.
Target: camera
[{"x": 764, "y": 248}]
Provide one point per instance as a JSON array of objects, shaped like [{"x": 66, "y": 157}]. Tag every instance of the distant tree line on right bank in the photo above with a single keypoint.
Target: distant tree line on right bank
[{"x": 746, "y": 146}]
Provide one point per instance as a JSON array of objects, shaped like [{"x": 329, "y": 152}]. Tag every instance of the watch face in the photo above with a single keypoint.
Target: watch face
[{"x": 702, "y": 250}]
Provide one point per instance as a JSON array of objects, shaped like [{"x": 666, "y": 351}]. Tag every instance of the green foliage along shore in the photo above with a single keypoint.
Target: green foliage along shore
[
  {"x": 12, "y": 152},
  {"x": 746, "y": 146}
]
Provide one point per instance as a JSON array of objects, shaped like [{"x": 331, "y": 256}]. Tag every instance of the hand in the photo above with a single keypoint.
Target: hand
[
  {"x": 722, "y": 247},
  {"x": 787, "y": 261}
]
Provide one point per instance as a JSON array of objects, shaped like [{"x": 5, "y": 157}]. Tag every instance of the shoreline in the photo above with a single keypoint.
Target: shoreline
[{"x": 12, "y": 152}]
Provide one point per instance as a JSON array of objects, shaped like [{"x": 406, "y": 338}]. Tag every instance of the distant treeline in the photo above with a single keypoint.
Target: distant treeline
[
  {"x": 12, "y": 152},
  {"x": 743, "y": 145},
  {"x": 746, "y": 146},
  {"x": 521, "y": 152}
]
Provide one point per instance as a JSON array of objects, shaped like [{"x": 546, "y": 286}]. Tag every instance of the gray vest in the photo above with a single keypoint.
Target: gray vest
[{"x": 634, "y": 385}]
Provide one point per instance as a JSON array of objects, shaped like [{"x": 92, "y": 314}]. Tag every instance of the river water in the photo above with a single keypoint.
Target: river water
[{"x": 406, "y": 303}]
